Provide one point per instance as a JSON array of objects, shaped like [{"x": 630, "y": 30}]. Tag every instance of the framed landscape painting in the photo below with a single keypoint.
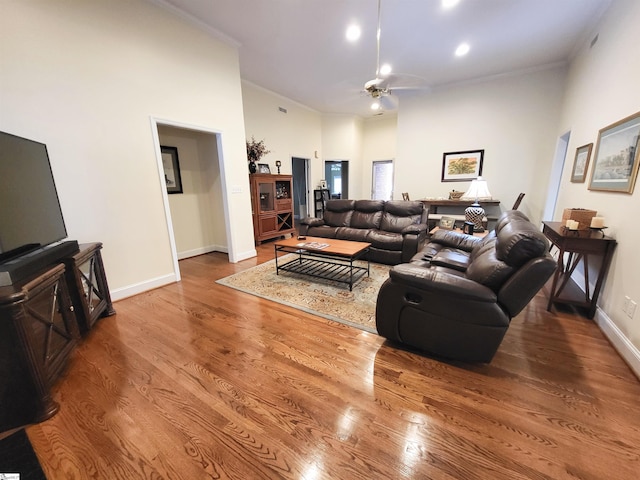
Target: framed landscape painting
[
  {"x": 462, "y": 166},
  {"x": 581, "y": 163},
  {"x": 615, "y": 165}
]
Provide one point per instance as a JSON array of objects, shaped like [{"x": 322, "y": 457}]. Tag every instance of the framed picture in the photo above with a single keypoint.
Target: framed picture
[
  {"x": 581, "y": 163},
  {"x": 615, "y": 164},
  {"x": 263, "y": 168},
  {"x": 447, "y": 223},
  {"x": 171, "y": 167},
  {"x": 462, "y": 166}
]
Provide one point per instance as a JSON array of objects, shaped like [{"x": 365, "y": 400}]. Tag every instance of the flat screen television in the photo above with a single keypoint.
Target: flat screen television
[{"x": 30, "y": 214}]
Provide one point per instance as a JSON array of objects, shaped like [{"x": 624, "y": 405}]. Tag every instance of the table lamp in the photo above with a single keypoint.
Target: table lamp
[{"x": 475, "y": 213}]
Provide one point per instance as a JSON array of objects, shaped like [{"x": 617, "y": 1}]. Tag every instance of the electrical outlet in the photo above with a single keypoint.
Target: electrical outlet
[{"x": 632, "y": 309}]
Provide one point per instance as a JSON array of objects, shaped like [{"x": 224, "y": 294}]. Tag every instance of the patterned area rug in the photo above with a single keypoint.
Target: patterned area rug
[{"x": 324, "y": 298}]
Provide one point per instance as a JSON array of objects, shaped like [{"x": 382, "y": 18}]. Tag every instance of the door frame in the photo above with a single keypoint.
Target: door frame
[{"x": 155, "y": 122}]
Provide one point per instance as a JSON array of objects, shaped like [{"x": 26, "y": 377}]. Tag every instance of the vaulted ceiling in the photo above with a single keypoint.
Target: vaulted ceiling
[{"x": 298, "y": 49}]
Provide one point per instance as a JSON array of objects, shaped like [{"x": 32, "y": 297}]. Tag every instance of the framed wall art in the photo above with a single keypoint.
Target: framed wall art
[
  {"x": 581, "y": 163},
  {"x": 615, "y": 164},
  {"x": 462, "y": 166},
  {"x": 171, "y": 166}
]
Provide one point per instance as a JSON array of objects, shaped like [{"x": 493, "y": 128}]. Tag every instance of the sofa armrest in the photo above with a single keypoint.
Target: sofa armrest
[
  {"x": 454, "y": 239},
  {"x": 312, "y": 221},
  {"x": 415, "y": 228},
  {"x": 438, "y": 281}
]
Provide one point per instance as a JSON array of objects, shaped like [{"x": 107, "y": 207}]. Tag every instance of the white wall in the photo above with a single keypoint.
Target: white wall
[
  {"x": 514, "y": 119},
  {"x": 198, "y": 212},
  {"x": 85, "y": 78},
  {"x": 342, "y": 137},
  {"x": 378, "y": 143},
  {"x": 602, "y": 88},
  {"x": 296, "y": 133}
]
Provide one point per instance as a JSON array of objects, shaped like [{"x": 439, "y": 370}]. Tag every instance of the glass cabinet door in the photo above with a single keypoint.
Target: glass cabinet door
[{"x": 266, "y": 193}]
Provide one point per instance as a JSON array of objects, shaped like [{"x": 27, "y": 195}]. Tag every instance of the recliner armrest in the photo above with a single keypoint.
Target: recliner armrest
[
  {"x": 439, "y": 281},
  {"x": 312, "y": 221},
  {"x": 415, "y": 228},
  {"x": 453, "y": 239}
]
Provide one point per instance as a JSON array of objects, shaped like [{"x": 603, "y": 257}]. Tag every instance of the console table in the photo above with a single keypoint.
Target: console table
[
  {"x": 579, "y": 245},
  {"x": 434, "y": 204}
]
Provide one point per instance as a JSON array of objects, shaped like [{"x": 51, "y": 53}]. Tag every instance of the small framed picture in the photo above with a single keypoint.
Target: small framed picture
[
  {"x": 171, "y": 167},
  {"x": 447, "y": 223},
  {"x": 581, "y": 163},
  {"x": 462, "y": 166},
  {"x": 263, "y": 168}
]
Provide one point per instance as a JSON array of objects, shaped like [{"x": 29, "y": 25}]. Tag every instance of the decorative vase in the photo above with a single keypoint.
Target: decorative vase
[
  {"x": 475, "y": 214},
  {"x": 253, "y": 168}
]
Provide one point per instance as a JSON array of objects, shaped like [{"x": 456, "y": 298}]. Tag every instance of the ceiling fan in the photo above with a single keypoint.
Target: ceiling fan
[{"x": 380, "y": 88}]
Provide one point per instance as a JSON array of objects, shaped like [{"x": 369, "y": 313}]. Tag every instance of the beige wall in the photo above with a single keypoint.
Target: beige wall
[
  {"x": 198, "y": 212},
  {"x": 378, "y": 143},
  {"x": 342, "y": 137},
  {"x": 602, "y": 88},
  {"x": 85, "y": 78},
  {"x": 514, "y": 119}
]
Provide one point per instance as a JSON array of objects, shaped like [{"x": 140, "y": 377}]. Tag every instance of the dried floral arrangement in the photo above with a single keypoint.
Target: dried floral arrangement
[{"x": 256, "y": 150}]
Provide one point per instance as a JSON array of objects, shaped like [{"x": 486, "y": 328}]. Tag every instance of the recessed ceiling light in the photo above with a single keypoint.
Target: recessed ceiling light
[
  {"x": 385, "y": 69},
  {"x": 462, "y": 49},
  {"x": 449, "y": 3},
  {"x": 353, "y": 33}
]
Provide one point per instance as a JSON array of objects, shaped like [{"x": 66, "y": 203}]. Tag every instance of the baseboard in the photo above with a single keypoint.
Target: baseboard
[
  {"x": 620, "y": 342},
  {"x": 202, "y": 251},
  {"x": 135, "y": 289}
]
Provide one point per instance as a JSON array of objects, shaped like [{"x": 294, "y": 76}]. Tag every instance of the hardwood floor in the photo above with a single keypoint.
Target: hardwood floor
[{"x": 196, "y": 381}]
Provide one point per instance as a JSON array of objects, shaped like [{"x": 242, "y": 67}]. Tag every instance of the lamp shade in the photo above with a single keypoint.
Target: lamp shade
[{"x": 478, "y": 190}]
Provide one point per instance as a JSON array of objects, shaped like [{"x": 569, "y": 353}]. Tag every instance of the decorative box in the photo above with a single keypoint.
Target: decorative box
[{"x": 580, "y": 215}]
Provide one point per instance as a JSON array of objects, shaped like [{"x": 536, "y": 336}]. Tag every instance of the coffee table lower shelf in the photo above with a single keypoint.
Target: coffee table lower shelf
[{"x": 326, "y": 269}]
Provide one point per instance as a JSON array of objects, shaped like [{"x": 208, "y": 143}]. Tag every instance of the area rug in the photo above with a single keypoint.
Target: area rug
[{"x": 324, "y": 298}]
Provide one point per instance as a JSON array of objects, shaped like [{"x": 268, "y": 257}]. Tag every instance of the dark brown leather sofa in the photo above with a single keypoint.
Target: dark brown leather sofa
[
  {"x": 456, "y": 298},
  {"x": 396, "y": 229}
]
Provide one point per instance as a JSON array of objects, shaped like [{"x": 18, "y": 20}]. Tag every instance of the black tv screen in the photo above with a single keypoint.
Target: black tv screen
[{"x": 30, "y": 214}]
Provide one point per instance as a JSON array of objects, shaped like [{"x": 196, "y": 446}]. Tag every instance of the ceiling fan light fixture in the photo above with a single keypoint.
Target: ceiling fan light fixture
[
  {"x": 385, "y": 69},
  {"x": 462, "y": 50},
  {"x": 353, "y": 32},
  {"x": 375, "y": 106}
]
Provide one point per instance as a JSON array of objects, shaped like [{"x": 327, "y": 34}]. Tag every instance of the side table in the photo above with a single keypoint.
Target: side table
[
  {"x": 580, "y": 245},
  {"x": 88, "y": 285}
]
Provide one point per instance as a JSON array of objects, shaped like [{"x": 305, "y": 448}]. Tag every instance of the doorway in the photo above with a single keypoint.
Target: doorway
[
  {"x": 336, "y": 172},
  {"x": 300, "y": 172},
  {"x": 210, "y": 143},
  {"x": 382, "y": 180},
  {"x": 556, "y": 176}
]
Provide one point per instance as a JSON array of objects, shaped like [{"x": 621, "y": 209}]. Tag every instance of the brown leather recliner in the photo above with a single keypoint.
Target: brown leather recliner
[{"x": 456, "y": 298}]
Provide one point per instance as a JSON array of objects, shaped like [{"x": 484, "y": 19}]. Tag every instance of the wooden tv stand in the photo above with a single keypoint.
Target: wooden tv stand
[{"x": 41, "y": 318}]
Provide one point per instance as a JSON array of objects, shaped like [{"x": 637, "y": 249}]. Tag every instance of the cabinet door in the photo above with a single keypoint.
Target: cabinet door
[
  {"x": 49, "y": 317},
  {"x": 266, "y": 196},
  {"x": 268, "y": 224}
]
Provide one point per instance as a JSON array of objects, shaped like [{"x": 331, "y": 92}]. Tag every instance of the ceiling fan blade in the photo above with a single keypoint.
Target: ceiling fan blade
[{"x": 388, "y": 102}]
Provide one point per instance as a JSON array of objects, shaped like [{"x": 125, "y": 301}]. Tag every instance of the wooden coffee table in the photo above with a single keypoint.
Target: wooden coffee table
[{"x": 326, "y": 258}]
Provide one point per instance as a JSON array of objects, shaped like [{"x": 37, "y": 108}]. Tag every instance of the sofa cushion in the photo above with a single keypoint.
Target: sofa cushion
[
  {"x": 385, "y": 240},
  {"x": 367, "y": 214},
  {"x": 400, "y": 214},
  {"x": 338, "y": 213}
]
